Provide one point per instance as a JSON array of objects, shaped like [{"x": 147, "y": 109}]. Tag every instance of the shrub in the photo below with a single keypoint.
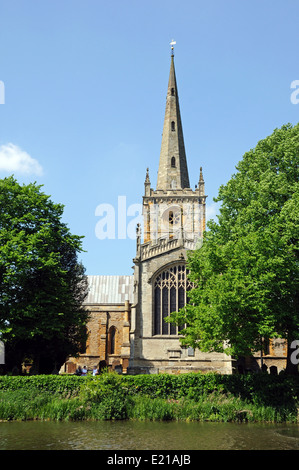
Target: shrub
[
  {"x": 252, "y": 397},
  {"x": 108, "y": 392},
  {"x": 62, "y": 384}
]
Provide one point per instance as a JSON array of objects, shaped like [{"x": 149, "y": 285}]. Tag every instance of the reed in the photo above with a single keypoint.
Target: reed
[{"x": 217, "y": 407}]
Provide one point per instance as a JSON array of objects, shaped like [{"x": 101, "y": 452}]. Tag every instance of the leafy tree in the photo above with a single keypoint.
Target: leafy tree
[
  {"x": 42, "y": 284},
  {"x": 246, "y": 273}
]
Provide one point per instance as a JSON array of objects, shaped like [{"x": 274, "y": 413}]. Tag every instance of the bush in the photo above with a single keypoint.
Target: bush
[
  {"x": 62, "y": 384},
  {"x": 193, "y": 396},
  {"x": 108, "y": 393}
]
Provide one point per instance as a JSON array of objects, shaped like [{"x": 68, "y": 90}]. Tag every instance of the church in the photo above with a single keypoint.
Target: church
[{"x": 127, "y": 331}]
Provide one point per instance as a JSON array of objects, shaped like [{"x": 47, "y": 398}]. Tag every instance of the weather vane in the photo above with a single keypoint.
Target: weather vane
[{"x": 173, "y": 42}]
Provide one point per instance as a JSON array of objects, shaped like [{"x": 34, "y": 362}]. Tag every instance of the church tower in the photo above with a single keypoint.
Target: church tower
[{"x": 174, "y": 221}]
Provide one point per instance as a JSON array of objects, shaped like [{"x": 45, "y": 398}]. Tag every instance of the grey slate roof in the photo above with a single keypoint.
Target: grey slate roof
[{"x": 109, "y": 289}]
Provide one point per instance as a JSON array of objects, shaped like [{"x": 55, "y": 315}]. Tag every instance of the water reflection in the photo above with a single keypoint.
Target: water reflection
[{"x": 130, "y": 435}]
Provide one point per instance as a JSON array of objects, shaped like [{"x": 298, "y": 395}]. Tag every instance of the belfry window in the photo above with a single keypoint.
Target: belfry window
[
  {"x": 170, "y": 294},
  {"x": 172, "y": 162},
  {"x": 174, "y": 218},
  {"x": 170, "y": 218},
  {"x": 172, "y": 125}
]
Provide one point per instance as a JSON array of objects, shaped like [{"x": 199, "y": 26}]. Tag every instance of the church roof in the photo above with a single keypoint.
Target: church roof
[{"x": 109, "y": 289}]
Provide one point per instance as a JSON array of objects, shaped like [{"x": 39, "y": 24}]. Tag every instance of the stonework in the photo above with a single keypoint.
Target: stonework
[
  {"x": 174, "y": 222},
  {"x": 108, "y": 344},
  {"x": 127, "y": 331}
]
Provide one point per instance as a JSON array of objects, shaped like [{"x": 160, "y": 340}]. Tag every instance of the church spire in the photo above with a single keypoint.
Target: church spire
[{"x": 173, "y": 171}]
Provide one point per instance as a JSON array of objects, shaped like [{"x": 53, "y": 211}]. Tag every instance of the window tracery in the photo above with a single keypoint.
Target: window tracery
[{"x": 170, "y": 294}]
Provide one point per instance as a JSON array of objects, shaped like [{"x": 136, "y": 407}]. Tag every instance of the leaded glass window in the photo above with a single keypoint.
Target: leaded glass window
[{"x": 170, "y": 294}]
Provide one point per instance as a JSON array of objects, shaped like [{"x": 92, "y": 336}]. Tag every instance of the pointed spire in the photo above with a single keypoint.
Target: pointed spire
[{"x": 173, "y": 171}]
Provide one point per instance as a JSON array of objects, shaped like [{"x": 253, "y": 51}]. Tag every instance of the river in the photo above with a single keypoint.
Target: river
[{"x": 134, "y": 435}]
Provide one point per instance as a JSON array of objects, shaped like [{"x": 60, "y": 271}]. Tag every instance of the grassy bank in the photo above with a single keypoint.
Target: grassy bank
[{"x": 189, "y": 397}]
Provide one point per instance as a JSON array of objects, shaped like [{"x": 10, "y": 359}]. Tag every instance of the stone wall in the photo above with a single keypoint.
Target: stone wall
[
  {"x": 107, "y": 329},
  {"x": 163, "y": 353}
]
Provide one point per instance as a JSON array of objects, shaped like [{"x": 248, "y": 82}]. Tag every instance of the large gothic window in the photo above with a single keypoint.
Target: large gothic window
[{"x": 170, "y": 294}]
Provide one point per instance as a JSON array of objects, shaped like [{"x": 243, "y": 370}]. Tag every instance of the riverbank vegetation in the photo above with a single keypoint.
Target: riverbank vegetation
[
  {"x": 42, "y": 282},
  {"x": 246, "y": 273},
  {"x": 190, "y": 397}
]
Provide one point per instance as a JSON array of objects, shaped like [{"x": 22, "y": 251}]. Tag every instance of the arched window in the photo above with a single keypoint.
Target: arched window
[
  {"x": 172, "y": 125},
  {"x": 170, "y": 294},
  {"x": 111, "y": 340},
  {"x": 172, "y": 162},
  {"x": 172, "y": 91}
]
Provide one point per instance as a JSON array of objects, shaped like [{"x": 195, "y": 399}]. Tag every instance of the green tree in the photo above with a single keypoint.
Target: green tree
[
  {"x": 42, "y": 284},
  {"x": 246, "y": 273}
]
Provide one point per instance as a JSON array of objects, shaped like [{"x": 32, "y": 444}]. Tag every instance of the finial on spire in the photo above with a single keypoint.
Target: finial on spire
[{"x": 172, "y": 43}]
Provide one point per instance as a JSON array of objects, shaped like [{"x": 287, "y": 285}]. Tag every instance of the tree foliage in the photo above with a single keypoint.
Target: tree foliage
[
  {"x": 42, "y": 284},
  {"x": 246, "y": 273}
]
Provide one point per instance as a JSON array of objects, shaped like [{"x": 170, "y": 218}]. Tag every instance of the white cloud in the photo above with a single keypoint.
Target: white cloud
[{"x": 15, "y": 160}]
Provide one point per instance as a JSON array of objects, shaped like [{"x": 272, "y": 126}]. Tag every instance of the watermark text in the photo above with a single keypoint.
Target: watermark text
[
  {"x": 161, "y": 220},
  {"x": 2, "y": 353},
  {"x": 295, "y": 94}
]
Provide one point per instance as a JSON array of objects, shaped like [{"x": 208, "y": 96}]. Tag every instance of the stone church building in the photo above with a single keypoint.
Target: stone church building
[{"x": 127, "y": 331}]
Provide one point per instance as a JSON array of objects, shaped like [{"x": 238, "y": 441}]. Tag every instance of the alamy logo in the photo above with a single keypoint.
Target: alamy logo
[
  {"x": 161, "y": 220},
  {"x": 295, "y": 354},
  {"x": 111, "y": 217},
  {"x": 2, "y": 93},
  {"x": 295, "y": 94},
  {"x": 2, "y": 353}
]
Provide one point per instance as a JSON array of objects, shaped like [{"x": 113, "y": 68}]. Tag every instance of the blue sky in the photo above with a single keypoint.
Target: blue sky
[{"x": 85, "y": 87}]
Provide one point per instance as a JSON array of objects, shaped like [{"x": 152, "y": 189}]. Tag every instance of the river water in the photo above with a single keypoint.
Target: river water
[{"x": 134, "y": 435}]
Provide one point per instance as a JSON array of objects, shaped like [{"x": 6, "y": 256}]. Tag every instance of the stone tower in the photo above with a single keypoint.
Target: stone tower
[{"x": 174, "y": 221}]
